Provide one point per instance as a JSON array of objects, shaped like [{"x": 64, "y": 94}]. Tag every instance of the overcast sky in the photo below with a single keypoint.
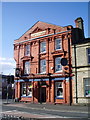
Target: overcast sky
[{"x": 18, "y": 17}]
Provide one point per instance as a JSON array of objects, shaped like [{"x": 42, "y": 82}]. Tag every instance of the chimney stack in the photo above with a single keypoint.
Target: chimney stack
[
  {"x": 78, "y": 31},
  {"x": 79, "y": 24}
]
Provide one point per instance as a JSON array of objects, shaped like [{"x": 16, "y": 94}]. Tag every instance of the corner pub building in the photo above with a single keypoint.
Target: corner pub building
[{"x": 40, "y": 77}]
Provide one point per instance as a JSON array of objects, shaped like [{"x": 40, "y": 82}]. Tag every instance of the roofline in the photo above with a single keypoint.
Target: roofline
[
  {"x": 43, "y": 22},
  {"x": 84, "y": 41},
  {"x": 68, "y": 25},
  {"x": 27, "y": 30},
  {"x": 42, "y": 36},
  {"x": 51, "y": 23}
]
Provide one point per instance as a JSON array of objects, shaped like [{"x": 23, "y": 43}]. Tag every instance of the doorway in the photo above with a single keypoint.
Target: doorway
[{"x": 42, "y": 94}]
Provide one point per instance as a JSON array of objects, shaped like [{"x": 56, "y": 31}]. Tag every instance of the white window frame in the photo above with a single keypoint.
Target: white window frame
[
  {"x": 59, "y": 87},
  {"x": 29, "y": 89},
  {"x": 27, "y": 50},
  {"x": 43, "y": 47},
  {"x": 87, "y": 87},
  {"x": 56, "y": 44},
  {"x": 23, "y": 87},
  {"x": 26, "y": 89},
  {"x": 58, "y": 64},
  {"x": 42, "y": 66},
  {"x": 26, "y": 68}
]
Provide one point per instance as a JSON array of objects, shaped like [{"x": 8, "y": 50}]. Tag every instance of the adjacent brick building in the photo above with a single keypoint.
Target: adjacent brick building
[{"x": 38, "y": 54}]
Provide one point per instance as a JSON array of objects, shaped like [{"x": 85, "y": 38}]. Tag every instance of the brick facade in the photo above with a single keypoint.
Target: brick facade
[{"x": 44, "y": 85}]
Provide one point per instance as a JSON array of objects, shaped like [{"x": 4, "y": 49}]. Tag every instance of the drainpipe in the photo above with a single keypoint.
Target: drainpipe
[
  {"x": 33, "y": 90},
  {"x": 75, "y": 72},
  {"x": 18, "y": 67},
  {"x": 18, "y": 55},
  {"x": 70, "y": 82},
  {"x": 39, "y": 56}
]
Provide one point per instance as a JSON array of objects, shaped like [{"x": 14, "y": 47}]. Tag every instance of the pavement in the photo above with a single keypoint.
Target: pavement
[
  {"x": 44, "y": 106},
  {"x": 48, "y": 106}
]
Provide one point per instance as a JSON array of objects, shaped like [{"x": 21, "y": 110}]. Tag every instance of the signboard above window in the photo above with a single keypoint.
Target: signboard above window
[{"x": 38, "y": 33}]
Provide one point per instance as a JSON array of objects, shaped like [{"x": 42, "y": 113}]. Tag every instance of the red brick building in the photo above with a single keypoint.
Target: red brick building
[{"x": 38, "y": 53}]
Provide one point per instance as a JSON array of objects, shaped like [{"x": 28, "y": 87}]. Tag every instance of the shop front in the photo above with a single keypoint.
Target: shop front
[{"x": 47, "y": 90}]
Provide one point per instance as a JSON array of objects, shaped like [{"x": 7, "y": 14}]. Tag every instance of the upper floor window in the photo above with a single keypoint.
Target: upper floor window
[
  {"x": 58, "y": 44},
  {"x": 58, "y": 66},
  {"x": 88, "y": 55},
  {"x": 26, "y": 68},
  {"x": 43, "y": 47},
  {"x": 43, "y": 66},
  {"x": 27, "y": 50}
]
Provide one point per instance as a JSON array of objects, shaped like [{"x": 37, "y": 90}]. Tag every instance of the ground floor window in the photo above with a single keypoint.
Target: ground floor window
[
  {"x": 23, "y": 89},
  {"x": 27, "y": 89},
  {"x": 59, "y": 89},
  {"x": 87, "y": 87}
]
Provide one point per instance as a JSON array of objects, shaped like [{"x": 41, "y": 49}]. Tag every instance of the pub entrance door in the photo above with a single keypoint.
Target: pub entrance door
[{"x": 42, "y": 94}]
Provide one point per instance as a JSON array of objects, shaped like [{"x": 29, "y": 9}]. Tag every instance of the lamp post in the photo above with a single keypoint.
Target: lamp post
[
  {"x": 7, "y": 92},
  {"x": 8, "y": 83}
]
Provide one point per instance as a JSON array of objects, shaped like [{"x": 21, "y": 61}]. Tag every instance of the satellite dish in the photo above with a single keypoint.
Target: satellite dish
[{"x": 64, "y": 61}]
